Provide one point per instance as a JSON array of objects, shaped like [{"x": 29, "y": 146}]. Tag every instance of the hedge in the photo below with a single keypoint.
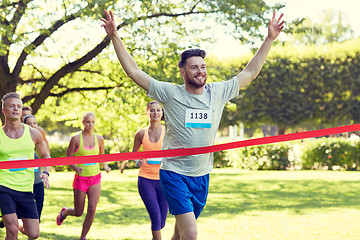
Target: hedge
[
  {"x": 329, "y": 152},
  {"x": 319, "y": 153},
  {"x": 261, "y": 157}
]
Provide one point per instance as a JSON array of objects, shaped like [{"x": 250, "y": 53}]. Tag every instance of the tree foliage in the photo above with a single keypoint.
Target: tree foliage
[
  {"x": 119, "y": 111},
  {"x": 331, "y": 27},
  {"x": 49, "y": 48}
]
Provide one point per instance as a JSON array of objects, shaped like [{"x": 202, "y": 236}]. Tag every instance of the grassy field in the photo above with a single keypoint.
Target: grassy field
[{"x": 241, "y": 205}]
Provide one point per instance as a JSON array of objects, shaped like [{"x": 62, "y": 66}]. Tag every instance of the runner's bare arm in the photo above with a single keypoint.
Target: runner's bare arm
[
  {"x": 73, "y": 145},
  {"x": 102, "y": 151},
  {"x": 126, "y": 60},
  {"x": 43, "y": 134},
  {"x": 254, "y": 66},
  {"x": 42, "y": 151},
  {"x": 137, "y": 144}
]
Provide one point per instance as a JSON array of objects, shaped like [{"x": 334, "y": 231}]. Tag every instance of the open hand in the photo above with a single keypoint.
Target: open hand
[
  {"x": 109, "y": 23},
  {"x": 275, "y": 26}
]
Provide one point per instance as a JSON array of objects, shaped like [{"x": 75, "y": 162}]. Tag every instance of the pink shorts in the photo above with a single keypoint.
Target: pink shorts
[{"x": 83, "y": 183}]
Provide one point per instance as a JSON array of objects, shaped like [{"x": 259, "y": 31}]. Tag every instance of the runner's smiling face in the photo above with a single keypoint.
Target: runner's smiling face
[
  {"x": 154, "y": 112},
  {"x": 31, "y": 121},
  {"x": 194, "y": 72},
  {"x": 89, "y": 123}
]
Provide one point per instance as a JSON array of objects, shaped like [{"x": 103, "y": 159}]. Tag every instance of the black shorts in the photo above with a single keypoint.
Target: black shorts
[{"x": 21, "y": 203}]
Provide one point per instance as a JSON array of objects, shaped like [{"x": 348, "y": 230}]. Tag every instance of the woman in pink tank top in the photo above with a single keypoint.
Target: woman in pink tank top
[{"x": 151, "y": 138}]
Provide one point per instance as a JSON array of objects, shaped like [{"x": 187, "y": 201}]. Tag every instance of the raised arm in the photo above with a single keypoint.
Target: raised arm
[
  {"x": 253, "y": 68},
  {"x": 131, "y": 68}
]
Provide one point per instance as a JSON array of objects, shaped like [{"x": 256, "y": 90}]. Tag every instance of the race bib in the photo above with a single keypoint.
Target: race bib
[
  {"x": 154, "y": 160},
  {"x": 89, "y": 164},
  {"x": 195, "y": 118},
  {"x": 17, "y": 169}
]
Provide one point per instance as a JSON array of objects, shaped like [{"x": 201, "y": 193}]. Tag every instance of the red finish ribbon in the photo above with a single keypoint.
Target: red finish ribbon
[{"x": 175, "y": 152}]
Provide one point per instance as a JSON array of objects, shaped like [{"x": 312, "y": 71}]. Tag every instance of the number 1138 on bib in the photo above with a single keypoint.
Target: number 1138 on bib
[{"x": 198, "y": 118}]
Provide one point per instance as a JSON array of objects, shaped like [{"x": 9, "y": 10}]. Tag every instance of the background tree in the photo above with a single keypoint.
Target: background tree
[
  {"x": 47, "y": 45},
  {"x": 119, "y": 111},
  {"x": 331, "y": 27}
]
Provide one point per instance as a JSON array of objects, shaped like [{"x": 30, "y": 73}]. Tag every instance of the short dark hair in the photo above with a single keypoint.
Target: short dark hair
[
  {"x": 27, "y": 108},
  {"x": 7, "y": 96},
  {"x": 195, "y": 52},
  {"x": 27, "y": 117}
]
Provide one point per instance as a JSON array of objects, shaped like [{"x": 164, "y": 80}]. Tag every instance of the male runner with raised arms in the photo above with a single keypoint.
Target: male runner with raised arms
[{"x": 192, "y": 113}]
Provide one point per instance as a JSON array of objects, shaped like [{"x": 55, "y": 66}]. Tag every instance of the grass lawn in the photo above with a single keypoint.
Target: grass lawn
[{"x": 241, "y": 205}]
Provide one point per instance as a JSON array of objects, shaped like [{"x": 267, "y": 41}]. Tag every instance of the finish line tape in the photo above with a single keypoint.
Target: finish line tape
[{"x": 174, "y": 152}]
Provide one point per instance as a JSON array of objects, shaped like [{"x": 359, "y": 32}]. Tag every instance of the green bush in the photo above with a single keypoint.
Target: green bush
[
  {"x": 329, "y": 152},
  {"x": 221, "y": 159},
  {"x": 261, "y": 157},
  {"x": 59, "y": 150},
  {"x": 354, "y": 154}
]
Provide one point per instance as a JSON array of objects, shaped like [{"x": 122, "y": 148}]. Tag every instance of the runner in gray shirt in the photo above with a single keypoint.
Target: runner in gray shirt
[{"x": 193, "y": 111}]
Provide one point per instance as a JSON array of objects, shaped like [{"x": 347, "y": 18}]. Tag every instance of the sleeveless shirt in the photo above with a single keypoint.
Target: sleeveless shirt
[
  {"x": 151, "y": 166},
  {"x": 90, "y": 169},
  {"x": 22, "y": 148}
]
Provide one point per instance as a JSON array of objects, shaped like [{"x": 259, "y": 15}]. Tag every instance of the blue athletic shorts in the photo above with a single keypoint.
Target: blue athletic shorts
[
  {"x": 21, "y": 203},
  {"x": 184, "y": 193}
]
